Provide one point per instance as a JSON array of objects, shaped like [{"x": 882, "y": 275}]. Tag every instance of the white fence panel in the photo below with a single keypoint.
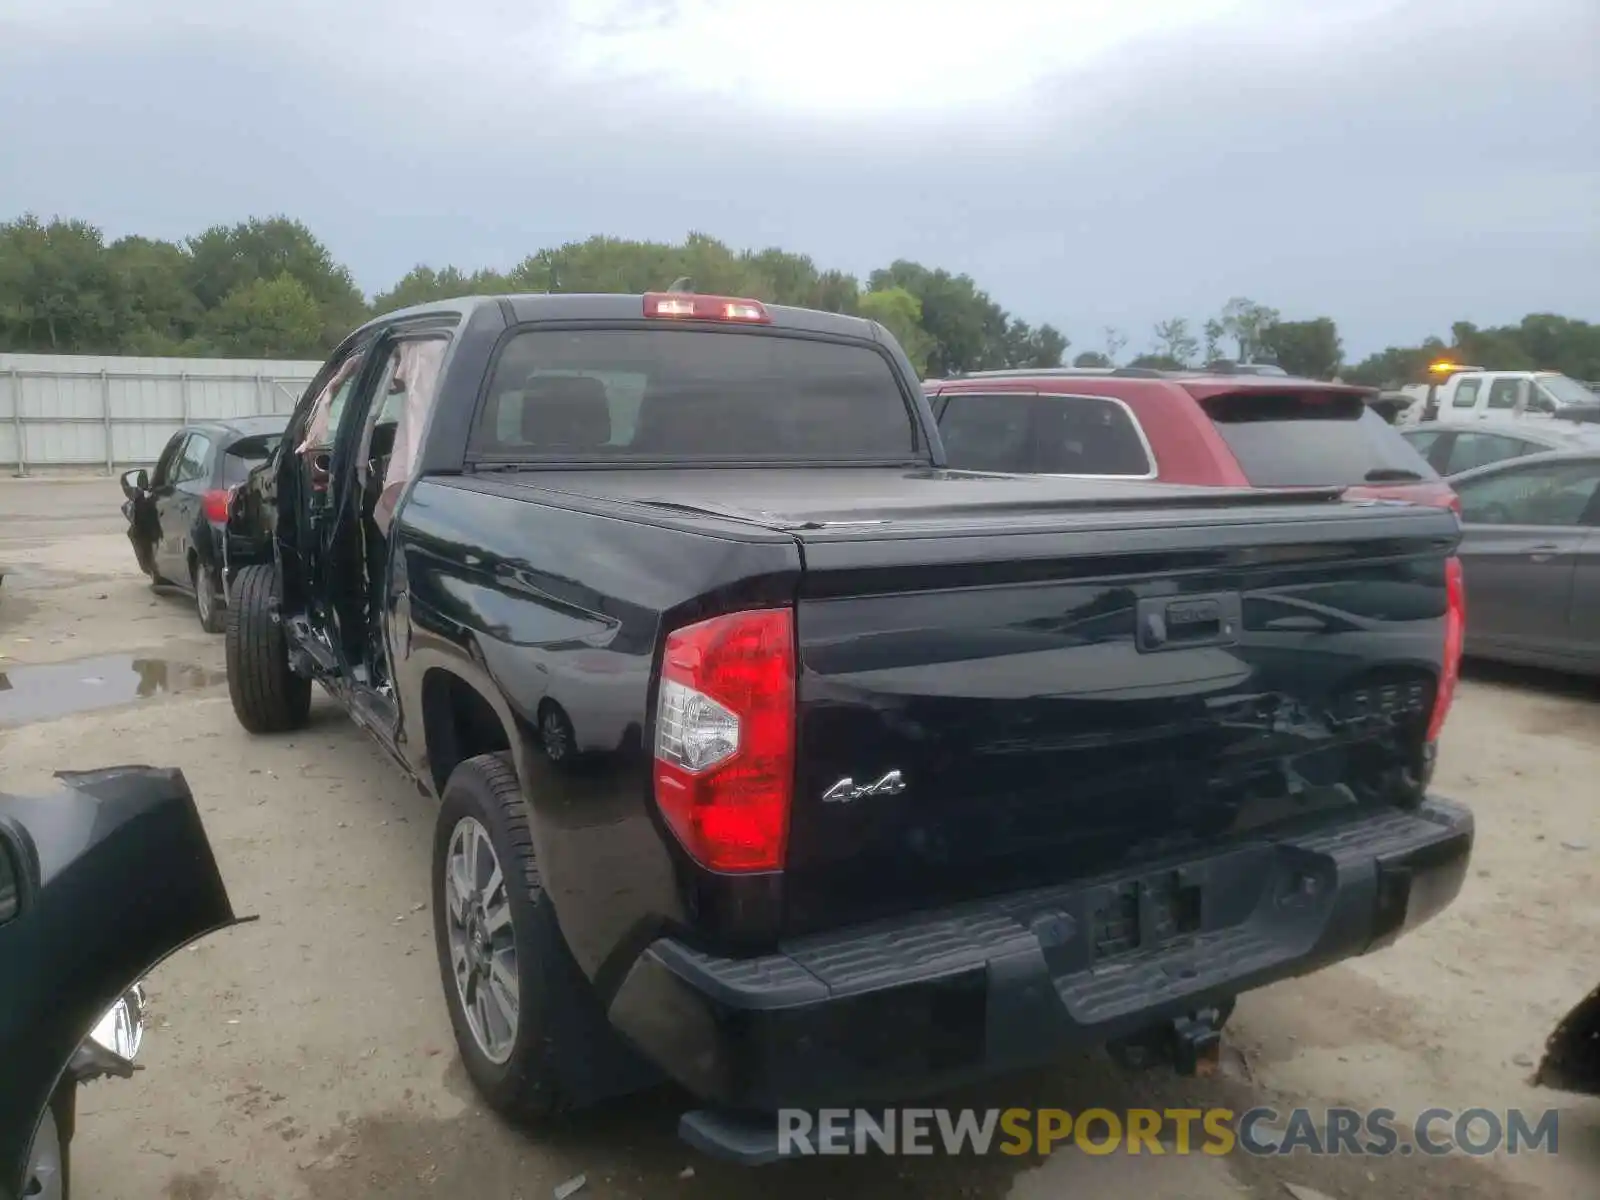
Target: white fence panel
[{"x": 60, "y": 410}]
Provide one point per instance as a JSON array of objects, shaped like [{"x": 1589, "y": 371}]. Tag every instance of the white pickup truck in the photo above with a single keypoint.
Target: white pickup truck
[{"x": 1474, "y": 394}]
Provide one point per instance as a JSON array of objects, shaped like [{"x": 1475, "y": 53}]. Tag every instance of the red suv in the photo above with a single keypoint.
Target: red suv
[{"x": 1232, "y": 430}]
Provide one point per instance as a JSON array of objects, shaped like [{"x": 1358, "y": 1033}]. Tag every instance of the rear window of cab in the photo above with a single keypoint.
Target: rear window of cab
[{"x": 693, "y": 394}]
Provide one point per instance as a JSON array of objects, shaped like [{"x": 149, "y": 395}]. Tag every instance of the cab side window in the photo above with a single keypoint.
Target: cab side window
[
  {"x": 1503, "y": 393},
  {"x": 1466, "y": 394}
]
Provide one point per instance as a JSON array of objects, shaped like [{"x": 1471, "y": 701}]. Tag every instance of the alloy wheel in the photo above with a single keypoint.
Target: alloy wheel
[{"x": 483, "y": 949}]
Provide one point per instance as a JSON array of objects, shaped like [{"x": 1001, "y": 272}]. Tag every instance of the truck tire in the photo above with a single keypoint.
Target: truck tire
[
  {"x": 268, "y": 697},
  {"x": 544, "y": 1057}
]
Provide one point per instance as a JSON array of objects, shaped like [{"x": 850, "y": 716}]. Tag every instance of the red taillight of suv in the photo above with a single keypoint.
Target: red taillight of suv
[
  {"x": 724, "y": 744},
  {"x": 1455, "y": 633},
  {"x": 215, "y": 504}
]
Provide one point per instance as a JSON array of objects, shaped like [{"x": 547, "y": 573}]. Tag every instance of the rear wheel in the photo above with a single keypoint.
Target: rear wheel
[
  {"x": 213, "y": 617},
  {"x": 529, "y": 1028},
  {"x": 268, "y": 697}
]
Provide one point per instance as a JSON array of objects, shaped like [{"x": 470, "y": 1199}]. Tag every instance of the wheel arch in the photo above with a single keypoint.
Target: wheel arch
[{"x": 460, "y": 721}]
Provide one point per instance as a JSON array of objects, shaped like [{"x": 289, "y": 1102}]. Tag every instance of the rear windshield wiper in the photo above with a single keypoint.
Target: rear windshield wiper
[{"x": 1391, "y": 475}]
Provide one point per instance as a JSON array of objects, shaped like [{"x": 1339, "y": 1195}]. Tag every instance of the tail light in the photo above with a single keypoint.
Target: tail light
[
  {"x": 1455, "y": 632},
  {"x": 724, "y": 745},
  {"x": 215, "y": 503},
  {"x": 686, "y": 306}
]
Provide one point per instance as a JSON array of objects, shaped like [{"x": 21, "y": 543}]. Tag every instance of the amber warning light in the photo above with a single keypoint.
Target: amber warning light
[{"x": 690, "y": 307}]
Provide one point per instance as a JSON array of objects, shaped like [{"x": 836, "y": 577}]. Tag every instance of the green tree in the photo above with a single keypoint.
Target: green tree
[
  {"x": 967, "y": 327},
  {"x": 1244, "y": 320},
  {"x": 159, "y": 312},
  {"x": 898, "y": 311},
  {"x": 1308, "y": 348},
  {"x": 1174, "y": 342},
  {"x": 57, "y": 292},
  {"x": 1397, "y": 366},
  {"x": 1025, "y": 346},
  {"x": 423, "y": 284},
  {"x": 267, "y": 318},
  {"x": 1214, "y": 333},
  {"x": 225, "y": 258},
  {"x": 1091, "y": 358}
]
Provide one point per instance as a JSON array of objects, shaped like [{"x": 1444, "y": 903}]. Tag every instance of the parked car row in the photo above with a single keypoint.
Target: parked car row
[{"x": 1528, "y": 491}]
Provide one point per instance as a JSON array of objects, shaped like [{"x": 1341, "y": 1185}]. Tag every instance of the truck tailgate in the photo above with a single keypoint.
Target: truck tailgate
[{"x": 1000, "y": 701}]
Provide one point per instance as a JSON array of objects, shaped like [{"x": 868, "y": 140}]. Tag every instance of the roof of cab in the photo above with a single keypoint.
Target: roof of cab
[{"x": 527, "y": 308}]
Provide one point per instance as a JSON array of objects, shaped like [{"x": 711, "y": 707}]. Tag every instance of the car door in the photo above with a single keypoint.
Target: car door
[
  {"x": 1523, "y": 535},
  {"x": 1501, "y": 399},
  {"x": 1583, "y": 625},
  {"x": 178, "y": 506},
  {"x": 1462, "y": 402},
  {"x": 162, "y": 487}
]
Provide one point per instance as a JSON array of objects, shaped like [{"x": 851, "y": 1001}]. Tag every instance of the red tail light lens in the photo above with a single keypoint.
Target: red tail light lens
[
  {"x": 724, "y": 745},
  {"x": 689, "y": 307},
  {"x": 1455, "y": 633},
  {"x": 215, "y": 504}
]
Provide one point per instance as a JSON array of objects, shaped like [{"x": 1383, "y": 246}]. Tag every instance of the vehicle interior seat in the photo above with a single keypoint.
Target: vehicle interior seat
[
  {"x": 564, "y": 412},
  {"x": 687, "y": 420}
]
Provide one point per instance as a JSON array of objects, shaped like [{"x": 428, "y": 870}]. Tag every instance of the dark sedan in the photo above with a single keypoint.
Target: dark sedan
[
  {"x": 1452, "y": 448},
  {"x": 177, "y": 515},
  {"x": 1531, "y": 554}
]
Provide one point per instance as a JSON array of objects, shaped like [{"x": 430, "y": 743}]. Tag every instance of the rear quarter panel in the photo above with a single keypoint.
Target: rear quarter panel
[{"x": 542, "y": 602}]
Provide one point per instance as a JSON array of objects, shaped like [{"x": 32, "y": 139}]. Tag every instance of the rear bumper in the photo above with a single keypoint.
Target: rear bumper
[{"x": 899, "y": 1008}]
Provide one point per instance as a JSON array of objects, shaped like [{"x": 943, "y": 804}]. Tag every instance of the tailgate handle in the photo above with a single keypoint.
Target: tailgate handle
[{"x": 1165, "y": 623}]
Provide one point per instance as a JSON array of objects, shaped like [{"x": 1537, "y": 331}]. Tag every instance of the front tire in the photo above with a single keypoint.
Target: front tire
[
  {"x": 268, "y": 697},
  {"x": 528, "y": 1026}
]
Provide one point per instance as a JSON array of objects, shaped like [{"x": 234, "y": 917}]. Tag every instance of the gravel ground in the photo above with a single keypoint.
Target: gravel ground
[{"x": 309, "y": 1054}]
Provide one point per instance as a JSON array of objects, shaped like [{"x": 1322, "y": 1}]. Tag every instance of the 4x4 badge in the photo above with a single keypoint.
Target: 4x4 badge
[{"x": 846, "y": 790}]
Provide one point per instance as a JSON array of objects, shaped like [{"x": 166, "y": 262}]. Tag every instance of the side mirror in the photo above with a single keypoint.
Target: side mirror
[
  {"x": 135, "y": 482},
  {"x": 19, "y": 871}
]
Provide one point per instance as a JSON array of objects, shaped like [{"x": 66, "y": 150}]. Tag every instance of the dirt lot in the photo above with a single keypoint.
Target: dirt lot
[{"x": 309, "y": 1054}]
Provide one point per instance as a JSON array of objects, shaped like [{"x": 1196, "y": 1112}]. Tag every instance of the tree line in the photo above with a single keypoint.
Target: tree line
[{"x": 268, "y": 288}]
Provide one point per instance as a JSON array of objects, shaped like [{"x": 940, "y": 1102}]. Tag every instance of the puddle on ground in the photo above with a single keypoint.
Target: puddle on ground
[{"x": 42, "y": 693}]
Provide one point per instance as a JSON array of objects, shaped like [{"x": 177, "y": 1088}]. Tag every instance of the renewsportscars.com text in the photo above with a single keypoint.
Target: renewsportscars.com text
[{"x": 1376, "y": 1132}]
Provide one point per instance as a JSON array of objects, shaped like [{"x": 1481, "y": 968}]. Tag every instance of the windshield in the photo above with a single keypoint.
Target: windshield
[{"x": 1567, "y": 391}]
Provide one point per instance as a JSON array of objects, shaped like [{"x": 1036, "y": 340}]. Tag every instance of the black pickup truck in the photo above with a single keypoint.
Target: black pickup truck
[{"x": 776, "y": 758}]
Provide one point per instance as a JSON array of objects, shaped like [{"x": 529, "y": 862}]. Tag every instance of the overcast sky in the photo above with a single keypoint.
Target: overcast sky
[{"x": 1394, "y": 164}]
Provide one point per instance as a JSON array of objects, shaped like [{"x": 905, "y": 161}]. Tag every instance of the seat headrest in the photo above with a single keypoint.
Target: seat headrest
[{"x": 565, "y": 412}]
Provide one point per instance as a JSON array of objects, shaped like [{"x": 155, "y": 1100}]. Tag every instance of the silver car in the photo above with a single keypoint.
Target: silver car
[
  {"x": 1453, "y": 448},
  {"x": 1531, "y": 553}
]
